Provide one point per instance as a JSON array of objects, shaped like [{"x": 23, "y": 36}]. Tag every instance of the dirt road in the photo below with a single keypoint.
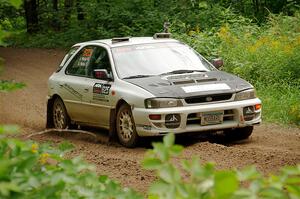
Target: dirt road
[{"x": 269, "y": 148}]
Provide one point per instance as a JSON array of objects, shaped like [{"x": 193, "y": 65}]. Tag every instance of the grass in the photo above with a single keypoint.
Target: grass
[{"x": 280, "y": 104}]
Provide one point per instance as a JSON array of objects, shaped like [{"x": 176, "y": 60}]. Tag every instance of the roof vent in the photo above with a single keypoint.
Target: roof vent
[
  {"x": 119, "y": 39},
  {"x": 162, "y": 35}
]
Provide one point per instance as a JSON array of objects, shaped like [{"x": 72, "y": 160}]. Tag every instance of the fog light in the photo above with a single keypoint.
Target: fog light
[
  {"x": 155, "y": 117},
  {"x": 172, "y": 121},
  {"x": 257, "y": 106},
  {"x": 248, "y": 113}
]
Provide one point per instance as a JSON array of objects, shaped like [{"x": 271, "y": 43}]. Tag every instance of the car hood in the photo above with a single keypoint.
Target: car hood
[{"x": 191, "y": 84}]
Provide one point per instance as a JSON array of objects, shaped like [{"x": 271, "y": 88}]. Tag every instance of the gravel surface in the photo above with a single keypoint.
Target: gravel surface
[{"x": 269, "y": 148}]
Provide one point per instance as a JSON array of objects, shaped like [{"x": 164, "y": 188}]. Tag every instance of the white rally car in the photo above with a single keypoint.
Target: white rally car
[{"x": 144, "y": 86}]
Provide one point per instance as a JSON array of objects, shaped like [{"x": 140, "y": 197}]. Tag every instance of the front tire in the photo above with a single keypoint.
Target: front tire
[
  {"x": 60, "y": 116},
  {"x": 239, "y": 133},
  {"x": 125, "y": 127}
]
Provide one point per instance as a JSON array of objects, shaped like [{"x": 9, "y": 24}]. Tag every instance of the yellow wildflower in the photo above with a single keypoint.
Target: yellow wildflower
[
  {"x": 34, "y": 148},
  {"x": 258, "y": 44},
  {"x": 247, "y": 35},
  {"x": 224, "y": 32},
  {"x": 191, "y": 33},
  {"x": 252, "y": 48},
  {"x": 297, "y": 41},
  {"x": 44, "y": 157},
  {"x": 288, "y": 49},
  {"x": 284, "y": 38},
  {"x": 263, "y": 40},
  {"x": 275, "y": 44},
  {"x": 197, "y": 29}
]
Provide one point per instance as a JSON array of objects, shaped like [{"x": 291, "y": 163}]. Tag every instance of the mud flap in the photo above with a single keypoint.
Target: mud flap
[
  {"x": 112, "y": 126},
  {"x": 49, "y": 121}
]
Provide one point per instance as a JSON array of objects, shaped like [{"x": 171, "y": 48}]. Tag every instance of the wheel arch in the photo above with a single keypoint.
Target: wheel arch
[
  {"x": 50, "y": 101},
  {"x": 112, "y": 119}
]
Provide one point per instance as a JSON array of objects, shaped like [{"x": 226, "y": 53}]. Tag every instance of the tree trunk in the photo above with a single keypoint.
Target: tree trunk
[
  {"x": 31, "y": 16},
  {"x": 55, "y": 5},
  {"x": 68, "y": 7},
  {"x": 55, "y": 21},
  {"x": 80, "y": 14}
]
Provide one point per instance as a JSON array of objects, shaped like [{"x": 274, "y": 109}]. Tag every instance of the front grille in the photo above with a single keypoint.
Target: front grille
[
  {"x": 208, "y": 98},
  {"x": 195, "y": 118}
]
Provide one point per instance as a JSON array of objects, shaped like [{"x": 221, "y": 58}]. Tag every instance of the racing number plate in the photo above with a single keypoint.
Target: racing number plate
[{"x": 210, "y": 118}]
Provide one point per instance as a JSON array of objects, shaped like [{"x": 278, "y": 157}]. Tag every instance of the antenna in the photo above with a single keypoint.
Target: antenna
[{"x": 166, "y": 27}]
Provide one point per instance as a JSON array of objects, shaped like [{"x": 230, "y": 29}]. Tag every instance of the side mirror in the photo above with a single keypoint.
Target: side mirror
[
  {"x": 218, "y": 63},
  {"x": 101, "y": 74}
]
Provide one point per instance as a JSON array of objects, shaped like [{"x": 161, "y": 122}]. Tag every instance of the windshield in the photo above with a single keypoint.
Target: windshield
[{"x": 157, "y": 59}]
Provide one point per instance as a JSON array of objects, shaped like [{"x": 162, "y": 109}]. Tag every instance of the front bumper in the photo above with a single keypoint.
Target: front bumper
[{"x": 190, "y": 117}]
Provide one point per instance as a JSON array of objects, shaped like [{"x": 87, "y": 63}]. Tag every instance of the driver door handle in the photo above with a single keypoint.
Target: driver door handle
[{"x": 86, "y": 90}]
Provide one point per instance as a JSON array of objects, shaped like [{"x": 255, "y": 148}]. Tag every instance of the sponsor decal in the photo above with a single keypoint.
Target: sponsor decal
[
  {"x": 87, "y": 52},
  {"x": 205, "y": 87},
  {"x": 101, "y": 91},
  {"x": 72, "y": 91}
]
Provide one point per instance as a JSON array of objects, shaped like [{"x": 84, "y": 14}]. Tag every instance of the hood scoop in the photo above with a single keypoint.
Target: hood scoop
[
  {"x": 206, "y": 80},
  {"x": 188, "y": 81},
  {"x": 186, "y": 76}
]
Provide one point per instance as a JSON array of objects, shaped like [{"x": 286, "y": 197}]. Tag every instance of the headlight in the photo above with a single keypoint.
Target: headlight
[
  {"x": 162, "y": 103},
  {"x": 244, "y": 95}
]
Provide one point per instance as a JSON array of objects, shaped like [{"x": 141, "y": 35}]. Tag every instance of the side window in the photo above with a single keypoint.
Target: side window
[
  {"x": 99, "y": 60},
  {"x": 67, "y": 57},
  {"x": 81, "y": 63}
]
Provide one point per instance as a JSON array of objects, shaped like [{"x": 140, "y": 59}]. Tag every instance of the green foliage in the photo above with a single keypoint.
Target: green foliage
[
  {"x": 29, "y": 170},
  {"x": 267, "y": 56},
  {"x": 204, "y": 181},
  {"x": 8, "y": 129},
  {"x": 280, "y": 103},
  {"x": 10, "y": 86}
]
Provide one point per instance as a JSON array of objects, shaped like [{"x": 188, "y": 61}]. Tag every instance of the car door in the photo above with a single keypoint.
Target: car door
[
  {"x": 73, "y": 86},
  {"x": 99, "y": 98}
]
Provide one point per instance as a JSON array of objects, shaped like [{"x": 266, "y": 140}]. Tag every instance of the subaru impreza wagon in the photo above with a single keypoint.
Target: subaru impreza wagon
[{"x": 148, "y": 86}]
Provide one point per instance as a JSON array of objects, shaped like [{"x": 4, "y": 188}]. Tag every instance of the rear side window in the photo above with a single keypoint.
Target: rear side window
[
  {"x": 79, "y": 66},
  {"x": 67, "y": 57}
]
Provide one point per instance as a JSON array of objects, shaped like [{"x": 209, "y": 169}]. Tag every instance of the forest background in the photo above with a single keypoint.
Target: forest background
[{"x": 259, "y": 40}]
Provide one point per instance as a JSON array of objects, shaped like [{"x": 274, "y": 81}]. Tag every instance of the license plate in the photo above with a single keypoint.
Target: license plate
[{"x": 210, "y": 118}]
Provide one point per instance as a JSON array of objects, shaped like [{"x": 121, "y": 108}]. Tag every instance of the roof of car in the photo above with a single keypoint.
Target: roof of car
[{"x": 130, "y": 41}]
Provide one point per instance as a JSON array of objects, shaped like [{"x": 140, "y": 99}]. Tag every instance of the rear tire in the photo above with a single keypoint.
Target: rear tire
[
  {"x": 239, "y": 133},
  {"x": 60, "y": 117},
  {"x": 125, "y": 127}
]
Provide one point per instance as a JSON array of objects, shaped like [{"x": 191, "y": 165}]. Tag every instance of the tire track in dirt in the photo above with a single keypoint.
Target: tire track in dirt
[{"x": 269, "y": 148}]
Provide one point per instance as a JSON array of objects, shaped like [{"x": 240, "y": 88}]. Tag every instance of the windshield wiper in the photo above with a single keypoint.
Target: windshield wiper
[
  {"x": 137, "y": 76},
  {"x": 182, "y": 71}
]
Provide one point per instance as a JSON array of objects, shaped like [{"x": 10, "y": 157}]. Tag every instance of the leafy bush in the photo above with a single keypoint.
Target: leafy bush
[
  {"x": 203, "y": 181},
  {"x": 267, "y": 56},
  {"x": 32, "y": 170}
]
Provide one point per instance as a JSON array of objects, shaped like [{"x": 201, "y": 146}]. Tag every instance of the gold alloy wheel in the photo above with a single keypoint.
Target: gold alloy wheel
[
  {"x": 125, "y": 127},
  {"x": 59, "y": 114}
]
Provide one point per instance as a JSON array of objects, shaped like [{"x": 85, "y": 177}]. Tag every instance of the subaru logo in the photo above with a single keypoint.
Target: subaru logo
[
  {"x": 208, "y": 99},
  {"x": 173, "y": 119}
]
